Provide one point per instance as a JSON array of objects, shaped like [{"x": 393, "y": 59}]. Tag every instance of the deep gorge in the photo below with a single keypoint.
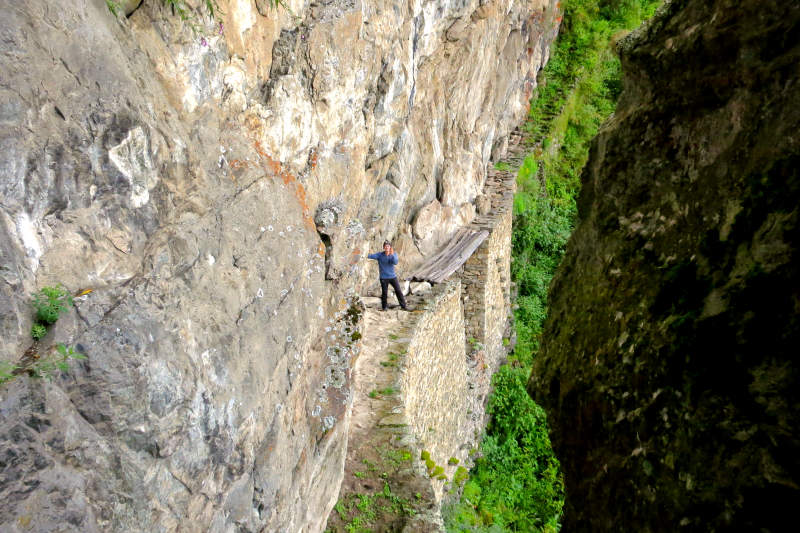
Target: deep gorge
[{"x": 668, "y": 365}]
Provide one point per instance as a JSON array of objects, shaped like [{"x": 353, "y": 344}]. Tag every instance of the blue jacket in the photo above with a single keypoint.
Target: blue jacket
[{"x": 386, "y": 264}]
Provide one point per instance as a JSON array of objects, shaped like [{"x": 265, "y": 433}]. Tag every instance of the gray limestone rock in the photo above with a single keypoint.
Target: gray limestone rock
[{"x": 170, "y": 171}]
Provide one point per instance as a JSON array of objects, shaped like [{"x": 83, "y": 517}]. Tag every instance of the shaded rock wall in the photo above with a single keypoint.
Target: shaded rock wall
[
  {"x": 217, "y": 189},
  {"x": 669, "y": 364}
]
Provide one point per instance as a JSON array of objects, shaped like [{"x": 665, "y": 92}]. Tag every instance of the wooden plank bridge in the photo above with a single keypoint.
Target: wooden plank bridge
[{"x": 450, "y": 258}]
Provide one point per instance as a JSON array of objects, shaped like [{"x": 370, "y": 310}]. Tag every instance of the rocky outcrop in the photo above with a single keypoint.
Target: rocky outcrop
[
  {"x": 669, "y": 366},
  {"x": 216, "y": 184}
]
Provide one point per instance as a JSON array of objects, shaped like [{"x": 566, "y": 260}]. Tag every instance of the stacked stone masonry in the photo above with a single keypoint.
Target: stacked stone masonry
[
  {"x": 434, "y": 379},
  {"x": 486, "y": 275}
]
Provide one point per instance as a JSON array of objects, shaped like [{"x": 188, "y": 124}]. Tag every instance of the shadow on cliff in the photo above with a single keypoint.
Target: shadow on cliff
[{"x": 669, "y": 367}]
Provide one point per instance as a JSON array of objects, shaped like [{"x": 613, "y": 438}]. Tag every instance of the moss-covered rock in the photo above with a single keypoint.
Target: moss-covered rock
[{"x": 669, "y": 363}]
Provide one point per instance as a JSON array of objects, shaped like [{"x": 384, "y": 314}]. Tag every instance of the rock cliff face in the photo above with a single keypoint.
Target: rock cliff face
[
  {"x": 216, "y": 184},
  {"x": 669, "y": 365}
]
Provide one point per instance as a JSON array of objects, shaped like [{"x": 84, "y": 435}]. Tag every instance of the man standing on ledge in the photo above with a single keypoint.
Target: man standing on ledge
[{"x": 387, "y": 259}]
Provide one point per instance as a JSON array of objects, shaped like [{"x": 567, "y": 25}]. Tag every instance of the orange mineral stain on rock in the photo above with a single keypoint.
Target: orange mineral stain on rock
[{"x": 277, "y": 170}]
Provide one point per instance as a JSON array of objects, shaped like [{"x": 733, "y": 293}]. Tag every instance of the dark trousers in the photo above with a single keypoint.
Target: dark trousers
[{"x": 397, "y": 292}]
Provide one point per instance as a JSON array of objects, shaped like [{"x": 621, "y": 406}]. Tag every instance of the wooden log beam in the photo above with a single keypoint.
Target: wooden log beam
[{"x": 450, "y": 257}]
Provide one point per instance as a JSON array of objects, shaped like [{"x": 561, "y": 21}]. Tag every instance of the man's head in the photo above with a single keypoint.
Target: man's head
[{"x": 387, "y": 246}]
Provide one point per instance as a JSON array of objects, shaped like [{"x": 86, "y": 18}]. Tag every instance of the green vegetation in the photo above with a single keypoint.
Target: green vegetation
[
  {"x": 583, "y": 84},
  {"x": 461, "y": 475},
  {"x": 48, "y": 305},
  {"x": 113, "y": 6},
  {"x": 7, "y": 371},
  {"x": 435, "y": 471},
  {"x": 395, "y": 457},
  {"x": 392, "y": 360},
  {"x": 56, "y": 360},
  {"x": 388, "y": 391},
  {"x": 38, "y": 331},
  {"x": 50, "y": 302},
  {"x": 376, "y": 507},
  {"x": 473, "y": 342},
  {"x": 359, "y": 511},
  {"x": 41, "y": 366},
  {"x": 516, "y": 484},
  {"x": 430, "y": 464},
  {"x": 186, "y": 12}
]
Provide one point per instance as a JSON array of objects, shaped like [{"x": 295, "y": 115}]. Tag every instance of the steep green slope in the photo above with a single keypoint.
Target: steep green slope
[{"x": 516, "y": 483}]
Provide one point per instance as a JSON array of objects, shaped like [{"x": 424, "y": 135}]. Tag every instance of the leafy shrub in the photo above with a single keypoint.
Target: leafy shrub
[
  {"x": 45, "y": 366},
  {"x": 516, "y": 484},
  {"x": 57, "y": 360},
  {"x": 113, "y": 6},
  {"x": 50, "y": 302},
  {"x": 184, "y": 11},
  {"x": 430, "y": 464},
  {"x": 461, "y": 475},
  {"x": 38, "y": 331}
]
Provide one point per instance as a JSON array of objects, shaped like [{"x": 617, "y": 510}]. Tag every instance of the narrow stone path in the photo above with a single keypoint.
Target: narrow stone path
[
  {"x": 382, "y": 332},
  {"x": 383, "y": 489}
]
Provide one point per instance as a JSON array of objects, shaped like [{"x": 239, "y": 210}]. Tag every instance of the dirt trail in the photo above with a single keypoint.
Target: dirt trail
[{"x": 381, "y": 486}]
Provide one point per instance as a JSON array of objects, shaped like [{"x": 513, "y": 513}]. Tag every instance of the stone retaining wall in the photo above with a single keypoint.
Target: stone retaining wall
[
  {"x": 434, "y": 379},
  {"x": 486, "y": 275}
]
